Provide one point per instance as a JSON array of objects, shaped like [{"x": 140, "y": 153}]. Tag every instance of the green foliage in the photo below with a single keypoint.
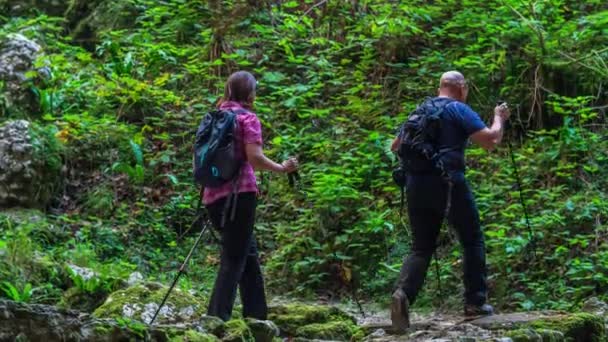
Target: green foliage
[
  {"x": 48, "y": 158},
  {"x": 135, "y": 172},
  {"x": 24, "y": 295},
  {"x": 238, "y": 331},
  {"x": 27, "y": 276},
  {"x": 335, "y": 81},
  {"x": 91, "y": 285},
  {"x": 99, "y": 201}
]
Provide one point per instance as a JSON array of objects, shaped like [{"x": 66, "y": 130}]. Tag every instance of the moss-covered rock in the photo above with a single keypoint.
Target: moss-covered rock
[
  {"x": 212, "y": 325},
  {"x": 289, "y": 318},
  {"x": 579, "y": 327},
  {"x": 263, "y": 331},
  {"x": 551, "y": 335},
  {"x": 531, "y": 335},
  {"x": 140, "y": 302},
  {"x": 238, "y": 331},
  {"x": 335, "y": 331}
]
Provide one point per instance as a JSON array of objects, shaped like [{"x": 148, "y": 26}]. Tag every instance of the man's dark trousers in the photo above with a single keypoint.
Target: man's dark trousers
[{"x": 427, "y": 198}]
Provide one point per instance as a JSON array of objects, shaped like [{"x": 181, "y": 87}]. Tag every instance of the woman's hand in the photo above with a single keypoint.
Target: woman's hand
[
  {"x": 290, "y": 165},
  {"x": 256, "y": 157}
]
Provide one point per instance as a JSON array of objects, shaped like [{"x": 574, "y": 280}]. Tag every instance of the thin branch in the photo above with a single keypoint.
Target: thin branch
[
  {"x": 526, "y": 20},
  {"x": 593, "y": 52},
  {"x": 599, "y": 107},
  {"x": 600, "y": 59},
  {"x": 320, "y": 3},
  {"x": 599, "y": 71}
]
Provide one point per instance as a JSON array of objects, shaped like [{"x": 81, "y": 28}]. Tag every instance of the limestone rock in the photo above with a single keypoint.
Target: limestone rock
[
  {"x": 83, "y": 272},
  {"x": 17, "y": 56},
  {"x": 26, "y": 177},
  {"x": 597, "y": 307},
  {"x": 135, "y": 278}
]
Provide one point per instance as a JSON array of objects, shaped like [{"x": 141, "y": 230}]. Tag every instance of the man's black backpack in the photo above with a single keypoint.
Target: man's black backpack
[
  {"x": 215, "y": 162},
  {"x": 419, "y": 149}
]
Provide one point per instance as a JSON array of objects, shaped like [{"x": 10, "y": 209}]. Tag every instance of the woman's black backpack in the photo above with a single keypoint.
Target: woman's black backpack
[{"x": 215, "y": 162}]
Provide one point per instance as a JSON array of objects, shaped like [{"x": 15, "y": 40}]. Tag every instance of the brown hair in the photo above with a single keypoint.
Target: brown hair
[{"x": 240, "y": 88}]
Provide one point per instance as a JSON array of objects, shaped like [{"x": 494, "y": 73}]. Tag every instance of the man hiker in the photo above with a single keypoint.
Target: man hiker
[{"x": 436, "y": 183}]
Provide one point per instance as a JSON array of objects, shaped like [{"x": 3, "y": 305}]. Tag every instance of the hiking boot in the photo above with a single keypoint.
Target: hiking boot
[
  {"x": 478, "y": 310},
  {"x": 400, "y": 315}
]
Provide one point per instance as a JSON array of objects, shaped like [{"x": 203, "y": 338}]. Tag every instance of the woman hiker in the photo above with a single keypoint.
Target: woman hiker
[{"x": 239, "y": 262}]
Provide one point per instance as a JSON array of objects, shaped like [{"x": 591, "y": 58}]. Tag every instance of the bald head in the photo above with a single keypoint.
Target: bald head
[
  {"x": 452, "y": 79},
  {"x": 453, "y": 84}
]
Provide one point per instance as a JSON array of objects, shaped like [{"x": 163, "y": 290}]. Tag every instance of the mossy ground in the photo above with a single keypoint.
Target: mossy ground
[
  {"x": 578, "y": 327},
  {"x": 76, "y": 299},
  {"x": 192, "y": 336},
  {"x": 238, "y": 331},
  {"x": 334, "y": 331},
  {"x": 315, "y": 322},
  {"x": 531, "y": 335}
]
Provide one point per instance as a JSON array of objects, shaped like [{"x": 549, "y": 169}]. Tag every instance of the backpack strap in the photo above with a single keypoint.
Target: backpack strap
[
  {"x": 232, "y": 200},
  {"x": 444, "y": 102},
  {"x": 240, "y": 111}
]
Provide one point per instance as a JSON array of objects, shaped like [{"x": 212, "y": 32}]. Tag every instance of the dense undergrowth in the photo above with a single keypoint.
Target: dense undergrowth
[{"x": 130, "y": 82}]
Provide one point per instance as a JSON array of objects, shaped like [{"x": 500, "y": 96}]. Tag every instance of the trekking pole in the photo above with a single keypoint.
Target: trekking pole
[
  {"x": 356, "y": 298},
  {"x": 293, "y": 178},
  {"x": 448, "y": 207},
  {"x": 519, "y": 189},
  {"x": 438, "y": 272},
  {"x": 521, "y": 199},
  {"x": 179, "y": 273}
]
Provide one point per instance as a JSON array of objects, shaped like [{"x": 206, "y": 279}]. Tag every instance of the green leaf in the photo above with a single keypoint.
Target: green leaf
[{"x": 139, "y": 156}]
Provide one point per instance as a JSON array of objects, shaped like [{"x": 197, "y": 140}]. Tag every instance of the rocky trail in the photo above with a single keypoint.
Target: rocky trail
[{"x": 122, "y": 315}]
